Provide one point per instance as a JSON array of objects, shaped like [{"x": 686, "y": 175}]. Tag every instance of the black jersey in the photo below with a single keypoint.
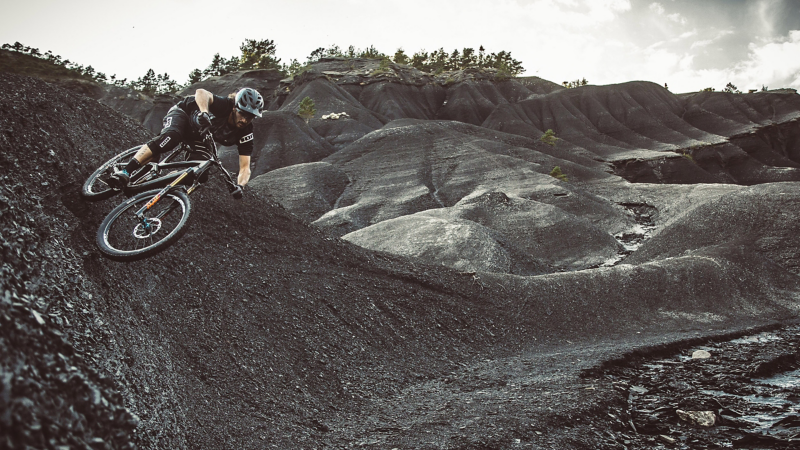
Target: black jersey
[{"x": 224, "y": 133}]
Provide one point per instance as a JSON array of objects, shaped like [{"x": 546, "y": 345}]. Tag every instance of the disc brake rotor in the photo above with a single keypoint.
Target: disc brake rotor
[{"x": 146, "y": 229}]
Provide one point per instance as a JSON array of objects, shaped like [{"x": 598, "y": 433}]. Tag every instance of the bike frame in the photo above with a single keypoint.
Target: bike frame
[
  {"x": 197, "y": 168},
  {"x": 155, "y": 167}
]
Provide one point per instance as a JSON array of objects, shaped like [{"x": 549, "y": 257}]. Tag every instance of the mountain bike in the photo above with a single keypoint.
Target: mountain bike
[
  {"x": 151, "y": 221},
  {"x": 149, "y": 176}
]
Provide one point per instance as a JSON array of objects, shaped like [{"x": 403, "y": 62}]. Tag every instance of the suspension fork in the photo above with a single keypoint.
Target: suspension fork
[{"x": 140, "y": 213}]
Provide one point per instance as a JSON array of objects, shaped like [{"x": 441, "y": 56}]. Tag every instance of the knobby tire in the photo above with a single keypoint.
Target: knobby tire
[{"x": 122, "y": 237}]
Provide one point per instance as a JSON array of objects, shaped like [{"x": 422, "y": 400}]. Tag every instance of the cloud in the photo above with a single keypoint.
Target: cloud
[
  {"x": 657, "y": 8},
  {"x": 567, "y": 14},
  {"x": 775, "y": 64},
  {"x": 677, "y": 18},
  {"x": 701, "y": 44},
  {"x": 718, "y": 35}
]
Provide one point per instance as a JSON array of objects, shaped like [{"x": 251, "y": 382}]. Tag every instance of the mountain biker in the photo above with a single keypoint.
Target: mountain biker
[{"x": 228, "y": 118}]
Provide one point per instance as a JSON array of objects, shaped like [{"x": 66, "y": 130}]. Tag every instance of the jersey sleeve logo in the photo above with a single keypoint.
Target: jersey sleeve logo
[{"x": 247, "y": 138}]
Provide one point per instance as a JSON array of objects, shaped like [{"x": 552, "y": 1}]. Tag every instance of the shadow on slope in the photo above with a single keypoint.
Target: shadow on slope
[
  {"x": 761, "y": 219},
  {"x": 643, "y": 129},
  {"x": 493, "y": 233},
  {"x": 331, "y": 98},
  {"x": 411, "y": 166}
]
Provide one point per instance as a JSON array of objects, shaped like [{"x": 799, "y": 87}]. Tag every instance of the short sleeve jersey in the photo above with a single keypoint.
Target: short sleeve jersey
[{"x": 223, "y": 132}]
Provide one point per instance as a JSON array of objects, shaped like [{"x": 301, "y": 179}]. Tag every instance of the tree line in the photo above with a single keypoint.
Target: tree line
[
  {"x": 83, "y": 72},
  {"x": 150, "y": 83},
  {"x": 435, "y": 62},
  {"x": 260, "y": 54}
]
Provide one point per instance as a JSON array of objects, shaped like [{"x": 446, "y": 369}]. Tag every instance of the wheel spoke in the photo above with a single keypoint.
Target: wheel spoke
[{"x": 127, "y": 233}]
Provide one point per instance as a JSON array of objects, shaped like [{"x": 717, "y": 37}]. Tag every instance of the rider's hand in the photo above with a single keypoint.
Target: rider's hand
[
  {"x": 204, "y": 119},
  {"x": 236, "y": 192}
]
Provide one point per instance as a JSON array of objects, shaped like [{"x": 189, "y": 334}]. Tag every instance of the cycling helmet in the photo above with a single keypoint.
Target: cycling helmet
[{"x": 248, "y": 99}]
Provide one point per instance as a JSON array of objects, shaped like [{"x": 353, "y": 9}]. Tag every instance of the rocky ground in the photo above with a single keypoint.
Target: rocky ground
[
  {"x": 259, "y": 330},
  {"x": 739, "y": 393}
]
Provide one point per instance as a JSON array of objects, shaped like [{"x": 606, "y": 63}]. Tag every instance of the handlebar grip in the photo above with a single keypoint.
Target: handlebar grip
[{"x": 236, "y": 191}]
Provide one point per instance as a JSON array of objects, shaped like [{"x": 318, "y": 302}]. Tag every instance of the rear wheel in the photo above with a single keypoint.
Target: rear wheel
[
  {"x": 125, "y": 237},
  {"x": 96, "y": 186},
  {"x": 148, "y": 177}
]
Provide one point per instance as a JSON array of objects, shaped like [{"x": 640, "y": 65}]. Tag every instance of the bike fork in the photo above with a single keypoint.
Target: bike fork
[{"x": 140, "y": 214}]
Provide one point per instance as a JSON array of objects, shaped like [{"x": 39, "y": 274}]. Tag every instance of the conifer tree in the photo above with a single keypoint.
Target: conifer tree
[
  {"x": 258, "y": 55},
  {"x": 216, "y": 67},
  {"x": 400, "y": 57},
  {"x": 549, "y": 138},
  {"x": 307, "y": 109},
  {"x": 556, "y": 173},
  {"x": 195, "y": 76}
]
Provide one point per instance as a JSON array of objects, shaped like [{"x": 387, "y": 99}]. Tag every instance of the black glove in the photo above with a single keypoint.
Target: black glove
[
  {"x": 236, "y": 192},
  {"x": 204, "y": 119}
]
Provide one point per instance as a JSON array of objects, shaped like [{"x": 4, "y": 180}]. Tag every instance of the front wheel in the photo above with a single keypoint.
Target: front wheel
[{"x": 125, "y": 237}]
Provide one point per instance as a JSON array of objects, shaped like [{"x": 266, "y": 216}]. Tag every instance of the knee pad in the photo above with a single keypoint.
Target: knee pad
[{"x": 164, "y": 142}]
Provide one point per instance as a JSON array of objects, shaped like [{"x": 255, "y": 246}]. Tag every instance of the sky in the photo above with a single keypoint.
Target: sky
[{"x": 687, "y": 44}]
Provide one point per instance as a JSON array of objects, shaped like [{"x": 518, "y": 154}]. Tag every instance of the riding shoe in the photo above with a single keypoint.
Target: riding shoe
[{"x": 119, "y": 179}]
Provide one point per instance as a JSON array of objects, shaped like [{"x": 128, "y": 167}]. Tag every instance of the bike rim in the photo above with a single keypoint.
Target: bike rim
[
  {"x": 128, "y": 235},
  {"x": 99, "y": 184}
]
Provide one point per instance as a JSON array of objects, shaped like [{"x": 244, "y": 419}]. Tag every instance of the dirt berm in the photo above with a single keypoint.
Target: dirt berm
[{"x": 257, "y": 330}]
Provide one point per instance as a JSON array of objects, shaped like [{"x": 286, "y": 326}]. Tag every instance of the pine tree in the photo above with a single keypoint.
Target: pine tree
[
  {"x": 292, "y": 69},
  {"x": 165, "y": 84},
  {"x": 730, "y": 87},
  {"x": 468, "y": 58},
  {"x": 400, "y": 57},
  {"x": 258, "y": 55},
  {"x": 230, "y": 65},
  {"x": 371, "y": 53},
  {"x": 419, "y": 61},
  {"x": 216, "y": 67},
  {"x": 307, "y": 109},
  {"x": 549, "y": 137},
  {"x": 195, "y": 76},
  {"x": 556, "y": 173},
  {"x": 147, "y": 84}
]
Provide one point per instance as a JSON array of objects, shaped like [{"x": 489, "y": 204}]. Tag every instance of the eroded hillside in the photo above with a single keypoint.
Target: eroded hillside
[
  {"x": 416, "y": 150},
  {"x": 260, "y": 330}
]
